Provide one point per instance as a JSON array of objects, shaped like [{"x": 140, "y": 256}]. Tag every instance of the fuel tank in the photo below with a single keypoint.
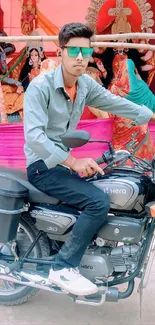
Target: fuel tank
[{"x": 128, "y": 190}]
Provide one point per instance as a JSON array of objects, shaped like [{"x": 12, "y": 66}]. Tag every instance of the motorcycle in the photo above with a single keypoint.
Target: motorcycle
[{"x": 34, "y": 226}]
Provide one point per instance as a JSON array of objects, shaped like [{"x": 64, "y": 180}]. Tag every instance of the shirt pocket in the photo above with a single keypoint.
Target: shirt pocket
[{"x": 36, "y": 171}]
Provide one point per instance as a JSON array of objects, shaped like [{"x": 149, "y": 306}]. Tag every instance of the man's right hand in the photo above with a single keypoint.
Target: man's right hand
[
  {"x": 87, "y": 167},
  {"x": 84, "y": 166}
]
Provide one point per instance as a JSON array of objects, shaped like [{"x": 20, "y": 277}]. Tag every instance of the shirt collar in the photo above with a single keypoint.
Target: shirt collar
[{"x": 59, "y": 83}]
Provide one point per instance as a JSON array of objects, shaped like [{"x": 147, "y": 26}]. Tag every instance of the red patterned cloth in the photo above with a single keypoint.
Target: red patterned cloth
[
  {"x": 136, "y": 139},
  {"x": 29, "y": 16}
]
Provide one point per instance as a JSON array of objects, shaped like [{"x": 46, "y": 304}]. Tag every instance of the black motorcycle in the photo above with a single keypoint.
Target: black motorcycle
[{"x": 33, "y": 227}]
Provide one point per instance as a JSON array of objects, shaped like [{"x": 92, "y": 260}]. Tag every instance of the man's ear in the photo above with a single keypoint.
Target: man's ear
[{"x": 59, "y": 52}]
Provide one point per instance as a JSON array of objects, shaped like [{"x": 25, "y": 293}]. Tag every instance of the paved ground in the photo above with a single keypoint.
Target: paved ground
[{"x": 52, "y": 309}]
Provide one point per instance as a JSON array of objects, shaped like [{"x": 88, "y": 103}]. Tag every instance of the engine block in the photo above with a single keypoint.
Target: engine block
[{"x": 99, "y": 263}]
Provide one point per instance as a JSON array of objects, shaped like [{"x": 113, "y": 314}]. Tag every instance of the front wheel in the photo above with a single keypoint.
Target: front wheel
[{"x": 12, "y": 294}]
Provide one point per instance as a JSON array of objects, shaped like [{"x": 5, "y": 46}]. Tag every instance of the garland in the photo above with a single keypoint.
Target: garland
[{"x": 14, "y": 66}]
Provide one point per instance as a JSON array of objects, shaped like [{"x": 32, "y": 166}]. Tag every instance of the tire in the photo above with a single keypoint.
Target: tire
[{"x": 41, "y": 249}]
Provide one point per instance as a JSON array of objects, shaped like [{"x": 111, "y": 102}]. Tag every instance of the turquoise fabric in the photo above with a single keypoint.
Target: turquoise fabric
[{"x": 139, "y": 91}]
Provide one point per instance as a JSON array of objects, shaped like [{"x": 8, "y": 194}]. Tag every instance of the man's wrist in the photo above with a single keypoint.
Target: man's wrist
[{"x": 69, "y": 161}]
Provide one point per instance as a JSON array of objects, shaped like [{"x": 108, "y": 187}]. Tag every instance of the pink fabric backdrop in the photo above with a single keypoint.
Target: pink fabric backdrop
[{"x": 12, "y": 141}]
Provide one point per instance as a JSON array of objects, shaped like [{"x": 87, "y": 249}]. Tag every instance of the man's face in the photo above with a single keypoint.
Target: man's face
[{"x": 75, "y": 66}]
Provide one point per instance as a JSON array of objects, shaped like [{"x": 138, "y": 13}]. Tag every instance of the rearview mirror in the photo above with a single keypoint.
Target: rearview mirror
[{"x": 75, "y": 138}]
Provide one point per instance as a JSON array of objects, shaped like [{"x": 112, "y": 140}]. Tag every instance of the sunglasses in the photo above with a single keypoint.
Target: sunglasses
[{"x": 73, "y": 51}]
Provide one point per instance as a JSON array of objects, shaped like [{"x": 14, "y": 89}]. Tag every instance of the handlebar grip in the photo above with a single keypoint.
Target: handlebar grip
[
  {"x": 99, "y": 161},
  {"x": 153, "y": 167}
]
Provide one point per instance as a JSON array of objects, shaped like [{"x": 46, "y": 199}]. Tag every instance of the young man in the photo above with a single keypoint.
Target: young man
[{"x": 53, "y": 105}]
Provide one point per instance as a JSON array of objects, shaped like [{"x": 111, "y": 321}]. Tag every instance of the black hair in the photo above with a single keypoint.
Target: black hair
[
  {"x": 73, "y": 30},
  {"x": 136, "y": 57},
  {"x": 107, "y": 58},
  {"x": 27, "y": 69}
]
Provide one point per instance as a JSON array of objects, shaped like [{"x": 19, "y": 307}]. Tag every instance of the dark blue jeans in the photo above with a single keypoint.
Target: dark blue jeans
[{"x": 70, "y": 188}]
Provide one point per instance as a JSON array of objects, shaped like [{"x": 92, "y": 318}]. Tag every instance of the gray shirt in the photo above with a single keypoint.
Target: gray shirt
[{"x": 49, "y": 113}]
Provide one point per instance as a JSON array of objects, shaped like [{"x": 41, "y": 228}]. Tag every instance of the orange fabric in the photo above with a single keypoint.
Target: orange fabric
[
  {"x": 16, "y": 72},
  {"x": 152, "y": 211},
  {"x": 12, "y": 100},
  {"x": 47, "y": 65},
  {"x": 71, "y": 91},
  {"x": 2, "y": 107},
  {"x": 48, "y": 27},
  {"x": 34, "y": 73}
]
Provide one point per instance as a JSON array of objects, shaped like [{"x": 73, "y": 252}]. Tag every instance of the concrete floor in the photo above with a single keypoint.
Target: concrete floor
[{"x": 53, "y": 309}]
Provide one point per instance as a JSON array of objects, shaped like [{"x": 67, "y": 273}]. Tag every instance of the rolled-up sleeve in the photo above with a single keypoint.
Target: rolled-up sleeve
[
  {"x": 103, "y": 99},
  {"x": 35, "y": 124}
]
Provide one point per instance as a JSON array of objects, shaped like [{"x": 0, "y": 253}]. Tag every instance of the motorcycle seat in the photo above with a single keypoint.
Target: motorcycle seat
[{"x": 35, "y": 195}]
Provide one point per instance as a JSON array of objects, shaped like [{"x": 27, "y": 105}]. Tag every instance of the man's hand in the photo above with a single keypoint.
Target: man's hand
[
  {"x": 84, "y": 166},
  {"x": 87, "y": 167}
]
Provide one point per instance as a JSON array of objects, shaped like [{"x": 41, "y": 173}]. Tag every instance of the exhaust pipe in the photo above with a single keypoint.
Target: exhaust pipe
[{"x": 113, "y": 294}]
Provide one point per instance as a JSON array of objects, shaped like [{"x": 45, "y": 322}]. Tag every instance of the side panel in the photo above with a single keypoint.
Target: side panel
[
  {"x": 53, "y": 220},
  {"x": 123, "y": 229}
]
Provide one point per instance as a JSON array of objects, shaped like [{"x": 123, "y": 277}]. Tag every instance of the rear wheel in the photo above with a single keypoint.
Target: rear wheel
[{"x": 15, "y": 294}]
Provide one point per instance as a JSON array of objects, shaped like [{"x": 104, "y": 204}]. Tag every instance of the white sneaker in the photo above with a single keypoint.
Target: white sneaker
[{"x": 72, "y": 281}]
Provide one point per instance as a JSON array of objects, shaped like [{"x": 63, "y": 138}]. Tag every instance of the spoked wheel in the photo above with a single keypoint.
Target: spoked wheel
[{"x": 15, "y": 294}]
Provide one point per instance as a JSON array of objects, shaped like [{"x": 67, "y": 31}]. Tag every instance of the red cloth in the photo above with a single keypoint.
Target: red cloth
[
  {"x": 87, "y": 114},
  {"x": 1, "y": 19}
]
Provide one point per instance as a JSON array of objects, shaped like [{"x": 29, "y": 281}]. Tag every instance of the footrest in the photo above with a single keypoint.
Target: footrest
[{"x": 12, "y": 267}]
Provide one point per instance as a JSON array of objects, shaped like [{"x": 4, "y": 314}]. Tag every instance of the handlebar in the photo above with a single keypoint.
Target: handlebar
[
  {"x": 114, "y": 158},
  {"x": 100, "y": 161},
  {"x": 121, "y": 156}
]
